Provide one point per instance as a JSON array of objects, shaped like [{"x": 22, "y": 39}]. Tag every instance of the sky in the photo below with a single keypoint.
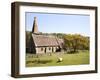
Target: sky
[{"x": 59, "y": 23}]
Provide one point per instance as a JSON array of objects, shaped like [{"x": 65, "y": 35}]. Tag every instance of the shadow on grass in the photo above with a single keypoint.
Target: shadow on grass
[
  {"x": 39, "y": 61},
  {"x": 58, "y": 61},
  {"x": 73, "y": 52}
]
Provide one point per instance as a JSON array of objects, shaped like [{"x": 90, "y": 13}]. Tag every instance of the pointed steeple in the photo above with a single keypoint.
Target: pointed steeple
[{"x": 35, "y": 27}]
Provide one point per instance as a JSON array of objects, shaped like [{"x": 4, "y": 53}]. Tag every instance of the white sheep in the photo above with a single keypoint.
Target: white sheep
[{"x": 60, "y": 59}]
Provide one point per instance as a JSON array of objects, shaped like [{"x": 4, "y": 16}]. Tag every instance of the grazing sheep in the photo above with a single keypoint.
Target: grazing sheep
[{"x": 60, "y": 59}]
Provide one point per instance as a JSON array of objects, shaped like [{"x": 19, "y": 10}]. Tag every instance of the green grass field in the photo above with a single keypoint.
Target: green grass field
[{"x": 82, "y": 57}]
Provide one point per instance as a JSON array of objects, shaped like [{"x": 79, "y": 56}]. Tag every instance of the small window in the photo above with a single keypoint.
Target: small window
[
  {"x": 49, "y": 48},
  {"x": 41, "y": 49}
]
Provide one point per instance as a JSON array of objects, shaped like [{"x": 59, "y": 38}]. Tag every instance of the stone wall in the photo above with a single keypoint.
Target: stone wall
[{"x": 46, "y": 49}]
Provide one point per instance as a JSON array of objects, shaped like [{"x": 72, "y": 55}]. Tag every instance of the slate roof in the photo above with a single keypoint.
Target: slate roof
[{"x": 43, "y": 40}]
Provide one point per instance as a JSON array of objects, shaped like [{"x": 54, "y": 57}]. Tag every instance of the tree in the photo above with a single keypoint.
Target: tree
[
  {"x": 76, "y": 42},
  {"x": 68, "y": 42},
  {"x": 28, "y": 42}
]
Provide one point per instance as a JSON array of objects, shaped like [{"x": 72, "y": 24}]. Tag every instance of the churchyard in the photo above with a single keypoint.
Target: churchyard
[{"x": 53, "y": 59}]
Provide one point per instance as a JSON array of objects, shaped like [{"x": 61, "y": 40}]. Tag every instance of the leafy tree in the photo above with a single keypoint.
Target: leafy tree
[
  {"x": 75, "y": 42},
  {"x": 28, "y": 41}
]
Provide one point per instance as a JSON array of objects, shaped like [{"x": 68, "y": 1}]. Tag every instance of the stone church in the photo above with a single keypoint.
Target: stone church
[{"x": 42, "y": 43}]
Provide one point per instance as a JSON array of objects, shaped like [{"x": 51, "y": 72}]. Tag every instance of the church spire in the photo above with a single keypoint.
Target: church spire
[{"x": 35, "y": 27}]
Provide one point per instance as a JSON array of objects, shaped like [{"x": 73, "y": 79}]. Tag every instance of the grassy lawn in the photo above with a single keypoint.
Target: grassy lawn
[{"x": 81, "y": 57}]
